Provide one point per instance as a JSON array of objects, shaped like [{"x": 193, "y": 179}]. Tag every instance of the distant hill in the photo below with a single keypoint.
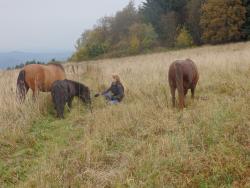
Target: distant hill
[{"x": 11, "y": 59}]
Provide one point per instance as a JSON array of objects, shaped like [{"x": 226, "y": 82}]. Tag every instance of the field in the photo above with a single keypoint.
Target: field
[{"x": 142, "y": 142}]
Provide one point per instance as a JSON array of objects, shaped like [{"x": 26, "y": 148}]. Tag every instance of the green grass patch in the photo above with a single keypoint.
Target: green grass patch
[{"x": 41, "y": 139}]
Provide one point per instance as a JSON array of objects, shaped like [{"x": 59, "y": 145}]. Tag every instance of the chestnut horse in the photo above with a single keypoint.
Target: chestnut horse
[
  {"x": 183, "y": 75},
  {"x": 38, "y": 78}
]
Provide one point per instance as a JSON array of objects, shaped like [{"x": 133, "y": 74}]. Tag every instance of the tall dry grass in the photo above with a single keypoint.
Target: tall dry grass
[
  {"x": 144, "y": 142},
  {"x": 16, "y": 121}
]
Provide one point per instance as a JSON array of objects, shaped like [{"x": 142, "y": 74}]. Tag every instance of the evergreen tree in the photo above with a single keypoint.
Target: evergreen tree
[
  {"x": 161, "y": 14},
  {"x": 246, "y": 27},
  {"x": 169, "y": 27},
  {"x": 193, "y": 9}
]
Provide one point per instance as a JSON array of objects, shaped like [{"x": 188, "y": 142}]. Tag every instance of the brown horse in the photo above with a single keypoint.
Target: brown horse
[
  {"x": 38, "y": 78},
  {"x": 182, "y": 75},
  {"x": 64, "y": 91}
]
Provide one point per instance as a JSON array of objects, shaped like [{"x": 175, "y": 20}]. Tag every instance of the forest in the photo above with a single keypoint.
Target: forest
[{"x": 165, "y": 24}]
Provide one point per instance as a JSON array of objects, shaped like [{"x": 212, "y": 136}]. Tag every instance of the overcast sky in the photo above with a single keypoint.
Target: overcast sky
[{"x": 50, "y": 25}]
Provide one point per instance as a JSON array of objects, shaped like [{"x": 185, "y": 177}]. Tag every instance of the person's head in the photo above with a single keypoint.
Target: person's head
[{"x": 116, "y": 78}]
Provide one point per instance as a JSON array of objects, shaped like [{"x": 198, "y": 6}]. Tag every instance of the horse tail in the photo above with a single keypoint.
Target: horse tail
[
  {"x": 58, "y": 98},
  {"x": 22, "y": 86},
  {"x": 179, "y": 84}
]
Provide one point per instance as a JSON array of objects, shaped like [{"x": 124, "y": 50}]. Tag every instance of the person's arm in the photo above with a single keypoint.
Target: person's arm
[{"x": 108, "y": 90}]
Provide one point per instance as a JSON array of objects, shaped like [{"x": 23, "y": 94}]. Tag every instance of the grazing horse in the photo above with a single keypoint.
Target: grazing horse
[
  {"x": 63, "y": 91},
  {"x": 38, "y": 78},
  {"x": 182, "y": 75}
]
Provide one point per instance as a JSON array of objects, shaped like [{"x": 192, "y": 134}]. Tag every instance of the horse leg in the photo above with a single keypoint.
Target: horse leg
[
  {"x": 59, "y": 110},
  {"x": 185, "y": 94},
  {"x": 181, "y": 99},
  {"x": 70, "y": 103},
  {"x": 35, "y": 94},
  {"x": 23, "y": 93},
  {"x": 192, "y": 92},
  {"x": 60, "y": 113},
  {"x": 173, "y": 95}
]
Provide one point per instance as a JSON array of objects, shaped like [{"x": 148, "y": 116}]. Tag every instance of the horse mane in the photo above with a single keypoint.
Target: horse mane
[
  {"x": 78, "y": 85},
  {"x": 57, "y": 65}
]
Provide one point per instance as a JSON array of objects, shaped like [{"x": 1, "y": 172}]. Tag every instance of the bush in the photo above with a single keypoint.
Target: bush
[
  {"x": 142, "y": 37},
  {"x": 95, "y": 50},
  {"x": 184, "y": 39},
  {"x": 80, "y": 55},
  {"x": 134, "y": 45}
]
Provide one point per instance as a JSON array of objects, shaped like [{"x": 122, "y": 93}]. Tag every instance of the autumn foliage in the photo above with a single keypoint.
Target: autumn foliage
[
  {"x": 222, "y": 21},
  {"x": 165, "y": 24}
]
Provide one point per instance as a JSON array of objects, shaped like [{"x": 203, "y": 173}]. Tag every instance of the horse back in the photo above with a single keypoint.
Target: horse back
[
  {"x": 63, "y": 88},
  {"x": 52, "y": 74},
  {"x": 184, "y": 69},
  {"x": 42, "y": 76}
]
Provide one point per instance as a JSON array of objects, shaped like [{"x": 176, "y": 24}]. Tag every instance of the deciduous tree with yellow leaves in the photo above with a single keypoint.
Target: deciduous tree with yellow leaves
[{"x": 222, "y": 20}]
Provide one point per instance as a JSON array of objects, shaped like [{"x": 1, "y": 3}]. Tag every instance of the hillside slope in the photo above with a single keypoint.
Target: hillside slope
[{"x": 142, "y": 142}]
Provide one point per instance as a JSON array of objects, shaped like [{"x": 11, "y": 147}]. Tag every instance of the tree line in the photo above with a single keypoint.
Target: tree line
[
  {"x": 165, "y": 24},
  {"x": 21, "y": 65}
]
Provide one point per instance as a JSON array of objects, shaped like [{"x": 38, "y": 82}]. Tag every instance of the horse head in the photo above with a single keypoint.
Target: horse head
[{"x": 85, "y": 97}]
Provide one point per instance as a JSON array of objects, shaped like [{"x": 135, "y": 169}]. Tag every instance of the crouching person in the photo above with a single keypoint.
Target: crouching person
[{"x": 115, "y": 93}]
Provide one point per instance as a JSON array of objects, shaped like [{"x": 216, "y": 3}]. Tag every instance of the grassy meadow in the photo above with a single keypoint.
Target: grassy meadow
[{"x": 142, "y": 142}]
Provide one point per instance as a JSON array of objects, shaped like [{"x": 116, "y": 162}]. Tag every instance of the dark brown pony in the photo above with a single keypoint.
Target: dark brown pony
[
  {"x": 182, "y": 75},
  {"x": 38, "y": 78},
  {"x": 64, "y": 91}
]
